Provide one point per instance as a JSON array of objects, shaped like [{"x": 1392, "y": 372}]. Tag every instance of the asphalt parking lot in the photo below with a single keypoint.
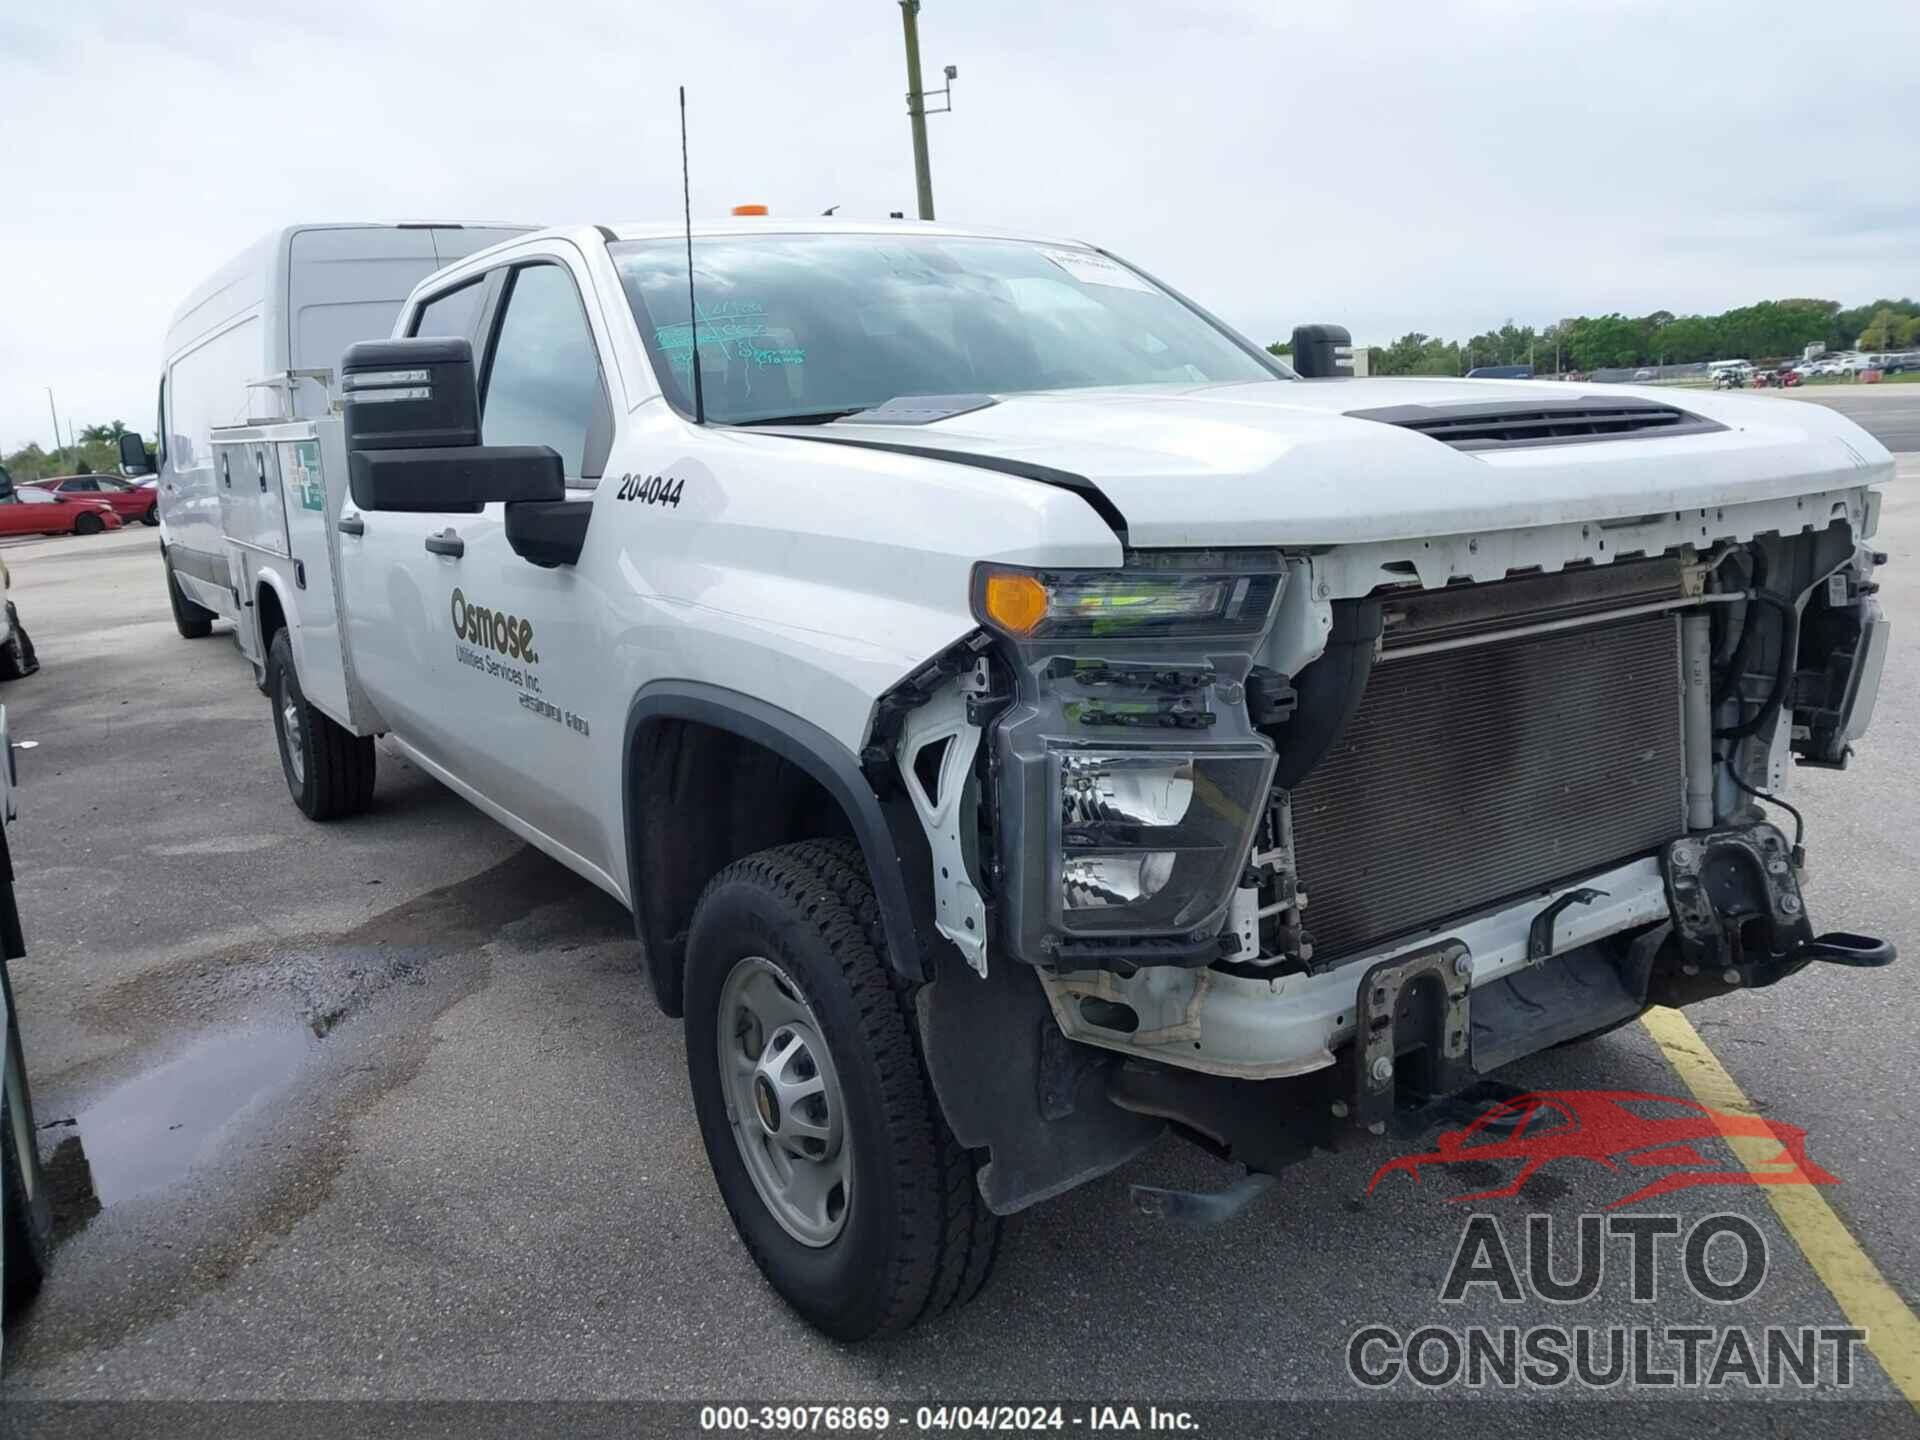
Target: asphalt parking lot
[
  {"x": 1892, "y": 412},
  {"x": 382, "y": 1109}
]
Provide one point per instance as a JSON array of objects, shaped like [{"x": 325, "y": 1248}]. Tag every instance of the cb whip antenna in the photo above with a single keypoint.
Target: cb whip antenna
[{"x": 693, "y": 307}]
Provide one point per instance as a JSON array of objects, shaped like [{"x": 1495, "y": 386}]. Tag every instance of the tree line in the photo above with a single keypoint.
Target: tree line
[
  {"x": 95, "y": 450},
  {"x": 1770, "y": 330}
]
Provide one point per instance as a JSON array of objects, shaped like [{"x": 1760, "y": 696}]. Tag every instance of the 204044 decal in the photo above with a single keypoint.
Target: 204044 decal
[{"x": 651, "y": 489}]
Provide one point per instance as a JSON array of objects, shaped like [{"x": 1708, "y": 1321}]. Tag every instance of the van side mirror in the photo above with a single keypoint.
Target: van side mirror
[
  {"x": 1323, "y": 352},
  {"x": 413, "y": 433},
  {"x": 135, "y": 457}
]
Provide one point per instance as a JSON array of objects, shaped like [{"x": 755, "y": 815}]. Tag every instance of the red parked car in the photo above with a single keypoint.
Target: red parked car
[
  {"x": 130, "y": 501},
  {"x": 32, "y": 511}
]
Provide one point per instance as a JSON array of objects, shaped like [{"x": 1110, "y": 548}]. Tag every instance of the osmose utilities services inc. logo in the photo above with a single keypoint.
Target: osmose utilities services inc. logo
[{"x": 1658, "y": 1137}]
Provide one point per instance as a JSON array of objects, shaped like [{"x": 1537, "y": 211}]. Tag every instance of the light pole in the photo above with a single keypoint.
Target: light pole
[
  {"x": 917, "y": 110},
  {"x": 51, "y": 410}
]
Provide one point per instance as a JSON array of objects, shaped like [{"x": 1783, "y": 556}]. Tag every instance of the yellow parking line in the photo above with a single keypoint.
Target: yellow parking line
[{"x": 1863, "y": 1294}]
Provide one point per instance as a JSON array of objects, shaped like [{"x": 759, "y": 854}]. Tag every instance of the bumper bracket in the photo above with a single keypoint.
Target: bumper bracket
[{"x": 1414, "y": 1006}]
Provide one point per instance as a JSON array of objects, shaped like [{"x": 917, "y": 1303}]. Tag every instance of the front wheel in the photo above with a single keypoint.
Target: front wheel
[
  {"x": 27, "y": 1226},
  {"x": 329, "y": 769},
  {"x": 152, "y": 517},
  {"x": 820, "y": 1122},
  {"x": 88, "y": 524}
]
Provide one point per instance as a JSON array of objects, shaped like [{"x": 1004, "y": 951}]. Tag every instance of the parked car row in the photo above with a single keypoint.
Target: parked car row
[
  {"x": 75, "y": 504},
  {"x": 131, "y": 500},
  {"x": 1858, "y": 364}
]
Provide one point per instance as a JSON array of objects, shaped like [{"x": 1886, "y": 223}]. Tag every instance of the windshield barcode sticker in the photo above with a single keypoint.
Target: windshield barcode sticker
[{"x": 1091, "y": 269}]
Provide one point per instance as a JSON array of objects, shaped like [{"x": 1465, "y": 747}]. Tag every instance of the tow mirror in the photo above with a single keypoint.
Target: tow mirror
[
  {"x": 1322, "y": 352},
  {"x": 413, "y": 434},
  {"x": 135, "y": 457}
]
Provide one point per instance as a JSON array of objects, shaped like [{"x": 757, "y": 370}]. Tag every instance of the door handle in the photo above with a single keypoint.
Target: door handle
[
  {"x": 446, "y": 543},
  {"x": 352, "y": 525}
]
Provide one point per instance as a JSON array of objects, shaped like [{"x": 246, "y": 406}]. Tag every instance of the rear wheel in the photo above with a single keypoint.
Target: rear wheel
[
  {"x": 329, "y": 769},
  {"x": 820, "y": 1122},
  {"x": 88, "y": 524},
  {"x": 28, "y": 1225},
  {"x": 194, "y": 622}
]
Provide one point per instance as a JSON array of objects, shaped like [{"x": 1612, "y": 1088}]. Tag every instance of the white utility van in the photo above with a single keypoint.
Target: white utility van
[{"x": 251, "y": 343}]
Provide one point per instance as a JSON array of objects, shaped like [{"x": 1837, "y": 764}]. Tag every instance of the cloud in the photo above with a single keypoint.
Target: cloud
[{"x": 1438, "y": 166}]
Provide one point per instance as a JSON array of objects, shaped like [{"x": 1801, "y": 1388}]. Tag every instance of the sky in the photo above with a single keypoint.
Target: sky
[{"x": 1440, "y": 166}]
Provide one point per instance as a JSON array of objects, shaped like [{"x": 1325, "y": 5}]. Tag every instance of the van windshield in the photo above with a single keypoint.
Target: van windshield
[{"x": 815, "y": 326}]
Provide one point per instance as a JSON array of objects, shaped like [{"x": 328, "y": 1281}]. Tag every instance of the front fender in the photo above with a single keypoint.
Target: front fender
[{"x": 889, "y": 835}]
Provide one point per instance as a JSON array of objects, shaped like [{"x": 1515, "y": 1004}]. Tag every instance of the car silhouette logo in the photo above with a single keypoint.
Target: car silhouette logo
[{"x": 1621, "y": 1130}]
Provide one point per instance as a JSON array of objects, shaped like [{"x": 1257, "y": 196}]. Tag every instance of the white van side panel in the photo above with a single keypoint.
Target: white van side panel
[
  {"x": 346, "y": 285},
  {"x": 295, "y": 299},
  {"x": 206, "y": 387}
]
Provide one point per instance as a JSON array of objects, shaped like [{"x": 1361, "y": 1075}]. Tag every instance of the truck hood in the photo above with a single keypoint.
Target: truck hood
[{"x": 1288, "y": 463}]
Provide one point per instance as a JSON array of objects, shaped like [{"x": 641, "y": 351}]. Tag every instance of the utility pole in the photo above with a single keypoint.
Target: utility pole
[
  {"x": 53, "y": 411},
  {"x": 917, "y": 111},
  {"x": 917, "y": 107}
]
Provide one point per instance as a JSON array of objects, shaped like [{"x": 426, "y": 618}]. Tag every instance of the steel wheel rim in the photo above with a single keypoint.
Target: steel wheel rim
[
  {"x": 785, "y": 1104},
  {"x": 290, "y": 728}
]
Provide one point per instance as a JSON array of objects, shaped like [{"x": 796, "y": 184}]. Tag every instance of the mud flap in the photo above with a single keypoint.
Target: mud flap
[{"x": 1011, "y": 1084}]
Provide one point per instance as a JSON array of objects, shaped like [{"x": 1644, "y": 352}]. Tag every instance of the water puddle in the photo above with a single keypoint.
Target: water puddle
[{"x": 155, "y": 1128}]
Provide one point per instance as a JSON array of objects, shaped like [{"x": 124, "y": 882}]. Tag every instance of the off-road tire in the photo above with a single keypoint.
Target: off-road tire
[
  {"x": 334, "y": 772},
  {"x": 194, "y": 622},
  {"x": 918, "y": 1238},
  {"x": 28, "y": 1229},
  {"x": 88, "y": 524}
]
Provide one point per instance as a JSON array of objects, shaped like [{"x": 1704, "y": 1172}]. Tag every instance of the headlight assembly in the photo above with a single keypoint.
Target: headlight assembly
[
  {"x": 1151, "y": 841},
  {"x": 1131, "y": 778}
]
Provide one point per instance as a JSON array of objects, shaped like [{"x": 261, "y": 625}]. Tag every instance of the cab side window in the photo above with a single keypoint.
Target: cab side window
[
  {"x": 451, "y": 315},
  {"x": 160, "y": 426},
  {"x": 543, "y": 384}
]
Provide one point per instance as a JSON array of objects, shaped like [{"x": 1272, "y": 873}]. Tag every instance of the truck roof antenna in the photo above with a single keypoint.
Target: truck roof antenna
[{"x": 693, "y": 307}]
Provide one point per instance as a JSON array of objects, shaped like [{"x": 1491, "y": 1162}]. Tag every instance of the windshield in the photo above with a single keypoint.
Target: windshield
[{"x": 816, "y": 325}]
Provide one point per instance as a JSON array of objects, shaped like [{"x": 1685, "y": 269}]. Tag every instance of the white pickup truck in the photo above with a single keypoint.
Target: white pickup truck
[{"x": 1023, "y": 715}]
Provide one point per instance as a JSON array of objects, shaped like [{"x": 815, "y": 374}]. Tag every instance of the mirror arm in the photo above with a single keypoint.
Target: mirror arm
[{"x": 548, "y": 532}]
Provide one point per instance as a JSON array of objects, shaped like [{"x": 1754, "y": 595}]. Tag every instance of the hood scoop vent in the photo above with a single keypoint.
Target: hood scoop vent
[{"x": 1509, "y": 425}]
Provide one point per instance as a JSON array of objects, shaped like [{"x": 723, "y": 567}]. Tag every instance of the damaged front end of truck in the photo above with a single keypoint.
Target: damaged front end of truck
[{"x": 1281, "y": 846}]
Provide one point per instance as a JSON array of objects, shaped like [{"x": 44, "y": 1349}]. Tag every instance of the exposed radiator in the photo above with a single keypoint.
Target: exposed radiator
[{"x": 1474, "y": 775}]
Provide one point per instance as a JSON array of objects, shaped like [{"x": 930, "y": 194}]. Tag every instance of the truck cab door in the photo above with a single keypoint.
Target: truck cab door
[{"x": 499, "y": 682}]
